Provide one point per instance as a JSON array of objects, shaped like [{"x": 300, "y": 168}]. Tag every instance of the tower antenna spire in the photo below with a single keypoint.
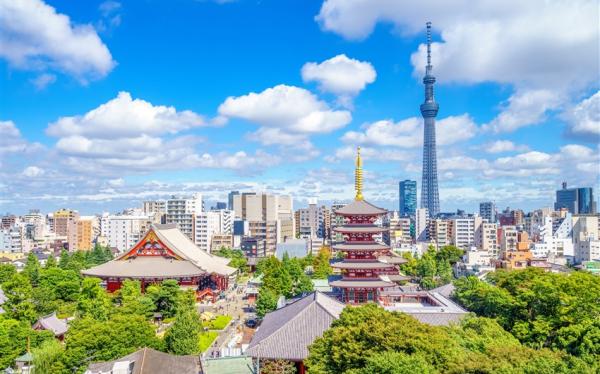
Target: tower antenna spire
[
  {"x": 358, "y": 177},
  {"x": 428, "y": 68}
]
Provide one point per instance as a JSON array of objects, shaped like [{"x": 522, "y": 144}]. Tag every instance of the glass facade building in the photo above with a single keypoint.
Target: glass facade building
[{"x": 408, "y": 198}]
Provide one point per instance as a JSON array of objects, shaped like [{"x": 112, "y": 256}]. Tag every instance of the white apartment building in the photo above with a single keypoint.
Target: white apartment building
[
  {"x": 439, "y": 232},
  {"x": 155, "y": 206},
  {"x": 182, "y": 211},
  {"x": 486, "y": 238},
  {"x": 12, "y": 239},
  {"x": 421, "y": 218},
  {"x": 509, "y": 237},
  {"x": 400, "y": 234},
  {"x": 554, "y": 240},
  {"x": 463, "y": 231},
  {"x": 586, "y": 237},
  {"x": 210, "y": 223},
  {"x": 124, "y": 231}
]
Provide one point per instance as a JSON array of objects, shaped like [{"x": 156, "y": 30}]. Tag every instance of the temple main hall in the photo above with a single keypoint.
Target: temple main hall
[{"x": 166, "y": 253}]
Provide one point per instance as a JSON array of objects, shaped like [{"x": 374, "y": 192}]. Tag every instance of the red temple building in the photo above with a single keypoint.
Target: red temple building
[
  {"x": 166, "y": 253},
  {"x": 369, "y": 266}
]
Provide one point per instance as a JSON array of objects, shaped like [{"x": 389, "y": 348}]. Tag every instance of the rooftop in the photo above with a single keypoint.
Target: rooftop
[
  {"x": 228, "y": 365},
  {"x": 286, "y": 333},
  {"x": 52, "y": 323},
  {"x": 359, "y": 207},
  {"x": 149, "y": 361}
]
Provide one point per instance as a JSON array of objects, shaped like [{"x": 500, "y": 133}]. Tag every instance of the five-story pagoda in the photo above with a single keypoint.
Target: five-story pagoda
[{"x": 369, "y": 265}]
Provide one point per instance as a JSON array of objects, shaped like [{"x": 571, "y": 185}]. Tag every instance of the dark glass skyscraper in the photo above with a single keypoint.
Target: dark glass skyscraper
[
  {"x": 429, "y": 109},
  {"x": 408, "y": 198},
  {"x": 575, "y": 200}
]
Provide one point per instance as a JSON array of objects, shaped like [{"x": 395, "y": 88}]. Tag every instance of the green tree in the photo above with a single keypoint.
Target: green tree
[
  {"x": 165, "y": 296},
  {"x": 410, "y": 266},
  {"x": 51, "y": 262},
  {"x": 93, "y": 301},
  {"x": 266, "y": 302},
  {"x": 63, "y": 261},
  {"x": 183, "y": 336},
  {"x": 91, "y": 339},
  {"x": 449, "y": 253},
  {"x": 32, "y": 269},
  {"x": 19, "y": 294},
  {"x": 321, "y": 264},
  {"x": 369, "y": 339},
  {"x": 7, "y": 272},
  {"x": 14, "y": 336},
  {"x": 132, "y": 301},
  {"x": 49, "y": 358},
  {"x": 558, "y": 311}
]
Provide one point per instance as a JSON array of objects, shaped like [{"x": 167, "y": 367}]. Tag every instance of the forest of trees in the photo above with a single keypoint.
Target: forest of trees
[
  {"x": 105, "y": 326},
  {"x": 370, "y": 340},
  {"x": 434, "y": 268}
]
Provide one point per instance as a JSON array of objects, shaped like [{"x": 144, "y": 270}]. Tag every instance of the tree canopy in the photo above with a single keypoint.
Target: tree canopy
[
  {"x": 557, "y": 311},
  {"x": 368, "y": 339}
]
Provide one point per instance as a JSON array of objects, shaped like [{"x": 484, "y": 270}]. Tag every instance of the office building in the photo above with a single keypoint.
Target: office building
[
  {"x": 487, "y": 211},
  {"x": 421, "y": 219},
  {"x": 575, "y": 200},
  {"x": 408, "y": 198}
]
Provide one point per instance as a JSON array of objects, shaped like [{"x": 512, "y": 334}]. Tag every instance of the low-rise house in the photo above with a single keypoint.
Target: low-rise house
[
  {"x": 148, "y": 361},
  {"x": 52, "y": 323}
]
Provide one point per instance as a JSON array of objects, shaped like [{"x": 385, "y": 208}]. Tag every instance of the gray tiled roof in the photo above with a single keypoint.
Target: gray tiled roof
[
  {"x": 360, "y": 207},
  {"x": 286, "y": 333},
  {"x": 52, "y": 323},
  {"x": 150, "y": 361},
  {"x": 439, "y": 319},
  {"x": 145, "y": 267},
  {"x": 446, "y": 290}
]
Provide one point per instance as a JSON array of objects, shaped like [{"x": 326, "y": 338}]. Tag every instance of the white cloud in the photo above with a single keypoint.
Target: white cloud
[
  {"x": 408, "y": 133},
  {"x": 288, "y": 108},
  {"x": 43, "y": 80},
  {"x": 368, "y": 153},
  {"x": 134, "y": 136},
  {"x": 34, "y": 36},
  {"x": 535, "y": 43},
  {"x": 340, "y": 75},
  {"x": 501, "y": 146},
  {"x": 117, "y": 182},
  {"x": 524, "y": 108},
  {"x": 33, "y": 171},
  {"x": 124, "y": 116},
  {"x": 585, "y": 116},
  {"x": 11, "y": 140}
]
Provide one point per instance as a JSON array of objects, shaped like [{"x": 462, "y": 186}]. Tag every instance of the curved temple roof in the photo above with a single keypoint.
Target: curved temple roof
[{"x": 360, "y": 207}]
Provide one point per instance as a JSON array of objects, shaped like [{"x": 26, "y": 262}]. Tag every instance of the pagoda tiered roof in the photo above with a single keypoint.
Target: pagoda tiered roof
[
  {"x": 360, "y": 207},
  {"x": 361, "y": 283},
  {"x": 361, "y": 265},
  {"x": 361, "y": 246},
  {"x": 359, "y": 228}
]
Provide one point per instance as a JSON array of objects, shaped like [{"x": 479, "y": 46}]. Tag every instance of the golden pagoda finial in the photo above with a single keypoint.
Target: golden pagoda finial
[{"x": 358, "y": 179}]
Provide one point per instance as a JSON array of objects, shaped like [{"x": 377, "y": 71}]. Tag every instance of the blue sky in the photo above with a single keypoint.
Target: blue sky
[{"x": 105, "y": 104}]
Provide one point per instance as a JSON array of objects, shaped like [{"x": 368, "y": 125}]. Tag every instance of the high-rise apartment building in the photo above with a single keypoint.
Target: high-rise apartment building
[
  {"x": 63, "y": 219},
  {"x": 439, "y": 232},
  {"x": 86, "y": 231},
  {"x": 182, "y": 211},
  {"x": 463, "y": 231},
  {"x": 230, "y": 199},
  {"x": 486, "y": 238},
  {"x": 408, "y": 198},
  {"x": 312, "y": 222},
  {"x": 152, "y": 207},
  {"x": 487, "y": 211}
]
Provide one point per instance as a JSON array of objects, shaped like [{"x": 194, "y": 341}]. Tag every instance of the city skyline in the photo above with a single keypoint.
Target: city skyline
[{"x": 164, "y": 100}]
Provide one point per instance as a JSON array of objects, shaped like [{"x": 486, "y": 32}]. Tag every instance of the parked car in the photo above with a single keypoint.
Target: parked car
[{"x": 251, "y": 323}]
